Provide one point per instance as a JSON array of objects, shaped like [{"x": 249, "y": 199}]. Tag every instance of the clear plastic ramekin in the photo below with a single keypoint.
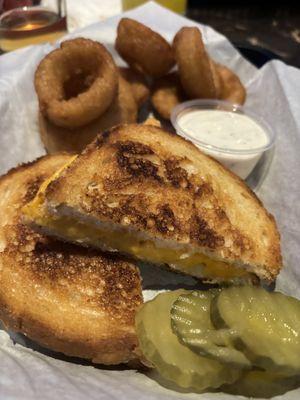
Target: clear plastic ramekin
[{"x": 241, "y": 162}]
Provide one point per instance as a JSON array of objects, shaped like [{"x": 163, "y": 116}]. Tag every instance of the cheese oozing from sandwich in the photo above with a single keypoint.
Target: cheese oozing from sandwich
[{"x": 71, "y": 229}]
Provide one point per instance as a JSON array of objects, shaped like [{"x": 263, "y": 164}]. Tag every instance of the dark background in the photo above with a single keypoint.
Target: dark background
[{"x": 261, "y": 30}]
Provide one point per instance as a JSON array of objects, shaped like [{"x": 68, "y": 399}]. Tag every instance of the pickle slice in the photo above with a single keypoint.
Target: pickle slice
[
  {"x": 190, "y": 316},
  {"x": 267, "y": 324},
  {"x": 262, "y": 384},
  {"x": 174, "y": 361}
]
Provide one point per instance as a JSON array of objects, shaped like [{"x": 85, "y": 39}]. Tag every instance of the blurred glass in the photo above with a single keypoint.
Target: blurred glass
[
  {"x": 6, "y": 5},
  {"x": 31, "y": 24},
  {"x": 178, "y": 6}
]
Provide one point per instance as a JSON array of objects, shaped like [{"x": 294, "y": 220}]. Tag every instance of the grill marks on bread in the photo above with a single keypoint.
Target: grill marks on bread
[
  {"x": 153, "y": 181},
  {"x": 104, "y": 281},
  {"x": 113, "y": 283},
  {"x": 74, "y": 300},
  {"x": 136, "y": 163},
  {"x": 132, "y": 157},
  {"x": 139, "y": 160}
]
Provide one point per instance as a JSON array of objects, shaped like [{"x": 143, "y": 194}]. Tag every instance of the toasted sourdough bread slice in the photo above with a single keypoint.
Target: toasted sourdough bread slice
[
  {"x": 67, "y": 298},
  {"x": 141, "y": 190}
]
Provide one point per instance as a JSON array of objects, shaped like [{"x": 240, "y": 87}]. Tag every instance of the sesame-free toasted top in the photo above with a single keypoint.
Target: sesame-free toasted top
[
  {"x": 150, "y": 181},
  {"x": 70, "y": 299}
]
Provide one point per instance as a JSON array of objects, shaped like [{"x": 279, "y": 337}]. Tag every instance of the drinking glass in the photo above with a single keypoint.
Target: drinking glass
[{"x": 29, "y": 22}]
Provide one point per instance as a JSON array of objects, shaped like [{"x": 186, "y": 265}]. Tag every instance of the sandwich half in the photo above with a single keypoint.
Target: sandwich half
[
  {"x": 70, "y": 299},
  {"x": 143, "y": 191}
]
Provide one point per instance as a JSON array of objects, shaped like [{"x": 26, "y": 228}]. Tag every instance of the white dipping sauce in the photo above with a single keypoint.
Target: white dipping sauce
[{"x": 229, "y": 131}]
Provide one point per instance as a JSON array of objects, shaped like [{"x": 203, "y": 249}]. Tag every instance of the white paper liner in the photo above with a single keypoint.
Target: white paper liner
[{"x": 273, "y": 92}]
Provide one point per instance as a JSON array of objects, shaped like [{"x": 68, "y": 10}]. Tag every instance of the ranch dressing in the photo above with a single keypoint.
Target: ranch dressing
[{"x": 234, "y": 139}]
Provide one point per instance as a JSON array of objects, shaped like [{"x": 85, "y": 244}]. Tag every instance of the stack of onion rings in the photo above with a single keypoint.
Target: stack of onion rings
[
  {"x": 143, "y": 49},
  {"x": 122, "y": 110},
  {"x": 82, "y": 63},
  {"x": 82, "y": 92}
]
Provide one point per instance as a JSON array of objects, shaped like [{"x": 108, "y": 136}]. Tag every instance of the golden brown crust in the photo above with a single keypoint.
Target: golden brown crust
[
  {"x": 159, "y": 183},
  {"x": 122, "y": 110},
  {"x": 76, "y": 83},
  {"x": 138, "y": 83},
  {"x": 167, "y": 93},
  {"x": 143, "y": 49},
  {"x": 231, "y": 88},
  {"x": 69, "y": 299},
  {"x": 117, "y": 350},
  {"x": 152, "y": 121},
  {"x": 196, "y": 70}
]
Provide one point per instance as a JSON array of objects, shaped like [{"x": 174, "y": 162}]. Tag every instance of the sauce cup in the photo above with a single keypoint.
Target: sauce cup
[{"x": 238, "y": 155}]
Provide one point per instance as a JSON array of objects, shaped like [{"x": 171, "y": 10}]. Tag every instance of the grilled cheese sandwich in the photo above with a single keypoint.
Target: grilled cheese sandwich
[
  {"x": 142, "y": 191},
  {"x": 70, "y": 299},
  {"x": 197, "y": 264}
]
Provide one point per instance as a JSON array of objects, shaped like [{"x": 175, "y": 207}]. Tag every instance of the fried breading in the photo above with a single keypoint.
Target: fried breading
[
  {"x": 122, "y": 110},
  {"x": 138, "y": 83},
  {"x": 143, "y": 49},
  {"x": 167, "y": 93}
]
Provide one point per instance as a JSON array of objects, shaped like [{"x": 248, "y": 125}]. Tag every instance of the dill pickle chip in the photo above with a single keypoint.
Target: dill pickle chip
[
  {"x": 190, "y": 316},
  {"x": 267, "y": 325},
  {"x": 262, "y": 384},
  {"x": 174, "y": 361}
]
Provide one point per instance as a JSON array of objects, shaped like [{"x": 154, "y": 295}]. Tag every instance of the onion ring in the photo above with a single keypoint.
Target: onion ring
[
  {"x": 138, "y": 84},
  {"x": 232, "y": 88},
  {"x": 143, "y": 49},
  {"x": 76, "y": 83},
  {"x": 196, "y": 70},
  {"x": 167, "y": 93},
  {"x": 122, "y": 110}
]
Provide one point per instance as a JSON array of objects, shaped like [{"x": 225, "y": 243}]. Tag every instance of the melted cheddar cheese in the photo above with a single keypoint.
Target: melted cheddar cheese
[{"x": 196, "y": 264}]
